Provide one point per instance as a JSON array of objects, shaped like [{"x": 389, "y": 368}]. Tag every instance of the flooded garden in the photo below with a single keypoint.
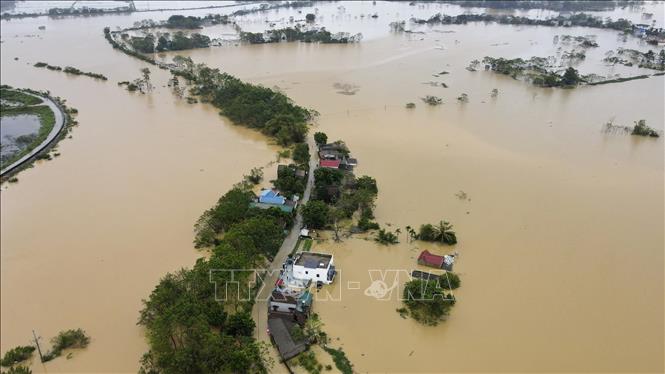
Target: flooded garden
[{"x": 558, "y": 216}]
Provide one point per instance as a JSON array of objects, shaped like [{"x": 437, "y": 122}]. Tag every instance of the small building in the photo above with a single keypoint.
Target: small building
[
  {"x": 318, "y": 267},
  {"x": 290, "y": 303},
  {"x": 271, "y": 196},
  {"x": 304, "y": 233},
  {"x": 333, "y": 164},
  {"x": 435, "y": 261},
  {"x": 279, "y": 330}
]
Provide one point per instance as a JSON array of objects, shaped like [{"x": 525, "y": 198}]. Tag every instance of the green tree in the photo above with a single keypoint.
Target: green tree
[
  {"x": 426, "y": 301},
  {"x": 301, "y": 153},
  {"x": 320, "y": 138},
  {"x": 240, "y": 324},
  {"x": 571, "y": 77},
  {"x": 315, "y": 214}
]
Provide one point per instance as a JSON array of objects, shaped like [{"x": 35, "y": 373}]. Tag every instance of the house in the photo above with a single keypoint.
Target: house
[
  {"x": 271, "y": 196},
  {"x": 290, "y": 303},
  {"x": 435, "y": 261},
  {"x": 333, "y": 164},
  {"x": 348, "y": 163},
  {"x": 318, "y": 267},
  {"x": 279, "y": 330}
]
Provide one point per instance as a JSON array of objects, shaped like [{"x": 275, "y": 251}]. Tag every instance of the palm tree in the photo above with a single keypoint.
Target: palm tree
[{"x": 444, "y": 233}]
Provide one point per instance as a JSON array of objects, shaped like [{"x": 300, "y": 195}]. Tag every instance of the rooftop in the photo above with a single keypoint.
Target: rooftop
[{"x": 313, "y": 260}]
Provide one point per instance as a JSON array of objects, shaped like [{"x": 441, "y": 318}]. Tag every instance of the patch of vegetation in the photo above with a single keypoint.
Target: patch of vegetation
[
  {"x": 342, "y": 362},
  {"x": 410, "y": 105},
  {"x": 17, "y": 355},
  {"x": 534, "y": 70},
  {"x": 386, "y": 237},
  {"x": 432, "y": 100},
  {"x": 69, "y": 339},
  {"x": 70, "y": 70},
  {"x": 308, "y": 361},
  {"x": 641, "y": 129},
  {"x": 17, "y": 97},
  {"x": 426, "y": 302},
  {"x": 320, "y": 138},
  {"x": 291, "y": 34},
  {"x": 18, "y": 369},
  {"x": 288, "y": 182},
  {"x": 577, "y": 19},
  {"x": 255, "y": 176},
  {"x": 315, "y": 214},
  {"x": 442, "y": 232}
]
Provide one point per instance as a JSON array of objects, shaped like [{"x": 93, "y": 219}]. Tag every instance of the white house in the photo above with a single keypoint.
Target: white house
[{"x": 317, "y": 267}]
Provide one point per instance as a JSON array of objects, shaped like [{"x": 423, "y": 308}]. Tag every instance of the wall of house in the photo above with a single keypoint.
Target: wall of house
[{"x": 317, "y": 274}]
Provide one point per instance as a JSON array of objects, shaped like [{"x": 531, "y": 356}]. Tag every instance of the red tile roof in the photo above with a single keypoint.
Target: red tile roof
[
  {"x": 329, "y": 163},
  {"x": 429, "y": 259}
]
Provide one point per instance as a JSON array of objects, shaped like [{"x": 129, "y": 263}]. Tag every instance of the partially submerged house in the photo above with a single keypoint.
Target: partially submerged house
[
  {"x": 271, "y": 198},
  {"x": 293, "y": 305},
  {"x": 435, "y": 261},
  {"x": 336, "y": 155},
  {"x": 318, "y": 267}
]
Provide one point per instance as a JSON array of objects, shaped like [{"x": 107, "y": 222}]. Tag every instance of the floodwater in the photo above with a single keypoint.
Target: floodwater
[
  {"x": 560, "y": 237},
  {"x": 12, "y": 127}
]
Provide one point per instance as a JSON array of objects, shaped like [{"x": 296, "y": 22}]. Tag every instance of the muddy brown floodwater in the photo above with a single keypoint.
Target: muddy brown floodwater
[{"x": 561, "y": 234}]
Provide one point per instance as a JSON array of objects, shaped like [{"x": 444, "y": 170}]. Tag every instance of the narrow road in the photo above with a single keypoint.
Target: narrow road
[
  {"x": 55, "y": 131},
  {"x": 260, "y": 310}
]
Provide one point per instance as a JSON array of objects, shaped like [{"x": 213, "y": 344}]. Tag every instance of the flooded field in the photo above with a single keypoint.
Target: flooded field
[
  {"x": 560, "y": 237},
  {"x": 14, "y": 129}
]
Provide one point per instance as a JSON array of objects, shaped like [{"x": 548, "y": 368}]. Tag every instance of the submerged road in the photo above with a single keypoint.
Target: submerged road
[
  {"x": 260, "y": 310},
  {"x": 59, "y": 124}
]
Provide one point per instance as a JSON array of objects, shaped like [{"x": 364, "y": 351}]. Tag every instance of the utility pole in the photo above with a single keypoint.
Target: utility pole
[{"x": 41, "y": 358}]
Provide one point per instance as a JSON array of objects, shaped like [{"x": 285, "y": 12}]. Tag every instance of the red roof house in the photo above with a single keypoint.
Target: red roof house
[
  {"x": 334, "y": 164},
  {"x": 428, "y": 259}
]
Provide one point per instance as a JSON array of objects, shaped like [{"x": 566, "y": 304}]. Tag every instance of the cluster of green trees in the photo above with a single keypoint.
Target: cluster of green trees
[
  {"x": 16, "y": 98},
  {"x": 17, "y": 355},
  {"x": 189, "y": 330},
  {"x": 257, "y": 107},
  {"x": 577, "y": 19},
  {"x": 68, "y": 339},
  {"x": 558, "y": 5},
  {"x": 177, "y": 41},
  {"x": 194, "y": 323},
  {"x": 233, "y": 217},
  {"x": 70, "y": 70},
  {"x": 291, "y": 34},
  {"x": 535, "y": 70},
  {"x": 338, "y": 195},
  {"x": 288, "y": 182},
  {"x": 441, "y": 232},
  {"x": 178, "y": 21},
  {"x": 426, "y": 301},
  {"x": 641, "y": 129}
]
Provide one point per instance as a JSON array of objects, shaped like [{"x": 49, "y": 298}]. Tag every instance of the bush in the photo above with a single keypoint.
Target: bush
[
  {"x": 69, "y": 339},
  {"x": 320, "y": 138},
  {"x": 309, "y": 17},
  {"x": 386, "y": 237},
  {"x": 432, "y": 100},
  {"x": 341, "y": 361},
  {"x": 17, "y": 355},
  {"x": 642, "y": 129},
  {"x": 301, "y": 153},
  {"x": 315, "y": 214},
  {"x": 426, "y": 301},
  {"x": 410, "y": 105}
]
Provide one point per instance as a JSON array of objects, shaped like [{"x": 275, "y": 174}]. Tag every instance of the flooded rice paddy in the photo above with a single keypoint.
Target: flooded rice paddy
[
  {"x": 15, "y": 131},
  {"x": 560, "y": 236}
]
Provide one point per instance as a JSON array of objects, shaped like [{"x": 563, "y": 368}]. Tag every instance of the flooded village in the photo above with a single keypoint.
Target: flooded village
[{"x": 332, "y": 186}]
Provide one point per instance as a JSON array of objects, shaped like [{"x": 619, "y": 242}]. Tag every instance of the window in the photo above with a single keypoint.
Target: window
[
  {"x": 306, "y": 272},
  {"x": 317, "y": 275}
]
